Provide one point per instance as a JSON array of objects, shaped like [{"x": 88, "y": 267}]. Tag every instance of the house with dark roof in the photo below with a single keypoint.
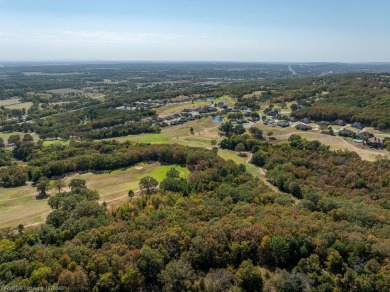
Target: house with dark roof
[
  {"x": 365, "y": 135},
  {"x": 347, "y": 133},
  {"x": 339, "y": 122},
  {"x": 358, "y": 125},
  {"x": 283, "y": 124},
  {"x": 303, "y": 127}
]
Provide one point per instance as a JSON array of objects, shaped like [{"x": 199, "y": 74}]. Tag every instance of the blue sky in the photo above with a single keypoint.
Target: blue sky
[{"x": 199, "y": 30}]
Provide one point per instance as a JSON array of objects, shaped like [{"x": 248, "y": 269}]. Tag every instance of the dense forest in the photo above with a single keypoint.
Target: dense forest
[
  {"x": 355, "y": 98},
  {"x": 220, "y": 229}
]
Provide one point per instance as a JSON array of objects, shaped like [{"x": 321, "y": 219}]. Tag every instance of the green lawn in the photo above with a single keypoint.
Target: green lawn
[{"x": 55, "y": 142}]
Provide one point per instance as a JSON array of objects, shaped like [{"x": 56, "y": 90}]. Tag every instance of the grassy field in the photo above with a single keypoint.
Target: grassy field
[
  {"x": 254, "y": 93},
  {"x": 6, "y": 135},
  {"x": 14, "y": 103},
  {"x": 21, "y": 105},
  {"x": 204, "y": 130},
  {"x": 176, "y": 108},
  {"x": 19, "y": 206},
  {"x": 7, "y": 102},
  {"x": 55, "y": 142}
]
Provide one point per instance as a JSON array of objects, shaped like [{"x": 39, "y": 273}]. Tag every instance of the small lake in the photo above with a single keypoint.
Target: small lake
[
  {"x": 210, "y": 98},
  {"x": 217, "y": 120}
]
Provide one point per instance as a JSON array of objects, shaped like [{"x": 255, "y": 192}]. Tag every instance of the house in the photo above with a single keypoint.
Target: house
[
  {"x": 339, "y": 122},
  {"x": 347, "y": 133},
  {"x": 323, "y": 124},
  {"x": 271, "y": 112},
  {"x": 365, "y": 135},
  {"x": 283, "y": 124},
  {"x": 328, "y": 131},
  {"x": 306, "y": 121},
  {"x": 268, "y": 122},
  {"x": 358, "y": 125},
  {"x": 293, "y": 119},
  {"x": 375, "y": 142},
  {"x": 303, "y": 127},
  {"x": 186, "y": 114}
]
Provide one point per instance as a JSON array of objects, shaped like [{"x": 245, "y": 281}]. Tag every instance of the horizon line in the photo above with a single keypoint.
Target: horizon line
[{"x": 96, "y": 61}]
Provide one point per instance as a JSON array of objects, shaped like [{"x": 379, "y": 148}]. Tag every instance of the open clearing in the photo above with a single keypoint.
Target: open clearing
[
  {"x": 64, "y": 91},
  {"x": 14, "y": 103},
  {"x": 19, "y": 206},
  {"x": 7, "y": 102},
  {"x": 175, "y": 108},
  {"x": 21, "y": 105},
  {"x": 253, "y": 94}
]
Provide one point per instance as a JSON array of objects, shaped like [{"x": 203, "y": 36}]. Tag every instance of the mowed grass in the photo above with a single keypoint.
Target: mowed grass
[
  {"x": 14, "y": 103},
  {"x": 204, "y": 130},
  {"x": 5, "y": 135},
  {"x": 115, "y": 184},
  {"x": 169, "y": 110},
  {"x": 48, "y": 143},
  {"x": 21, "y": 105},
  {"x": 7, "y": 102},
  {"x": 19, "y": 206},
  {"x": 254, "y": 93}
]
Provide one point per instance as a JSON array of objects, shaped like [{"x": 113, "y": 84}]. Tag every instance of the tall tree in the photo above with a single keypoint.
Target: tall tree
[
  {"x": 148, "y": 184},
  {"x": 59, "y": 184},
  {"x": 43, "y": 186}
]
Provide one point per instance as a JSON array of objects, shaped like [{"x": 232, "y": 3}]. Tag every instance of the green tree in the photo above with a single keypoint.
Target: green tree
[
  {"x": 256, "y": 132},
  {"x": 249, "y": 278},
  {"x": 43, "y": 186},
  {"x": 178, "y": 275},
  {"x": 59, "y": 184},
  {"x": 149, "y": 262},
  {"x": 173, "y": 173},
  {"x": 77, "y": 184},
  {"x": 258, "y": 159},
  {"x": 41, "y": 276},
  {"x": 219, "y": 280},
  {"x": 130, "y": 194},
  {"x": 148, "y": 184},
  {"x": 295, "y": 190},
  {"x": 132, "y": 280},
  {"x": 240, "y": 147}
]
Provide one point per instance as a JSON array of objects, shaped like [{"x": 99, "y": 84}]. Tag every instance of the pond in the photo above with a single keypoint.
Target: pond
[
  {"x": 217, "y": 120},
  {"x": 210, "y": 98}
]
